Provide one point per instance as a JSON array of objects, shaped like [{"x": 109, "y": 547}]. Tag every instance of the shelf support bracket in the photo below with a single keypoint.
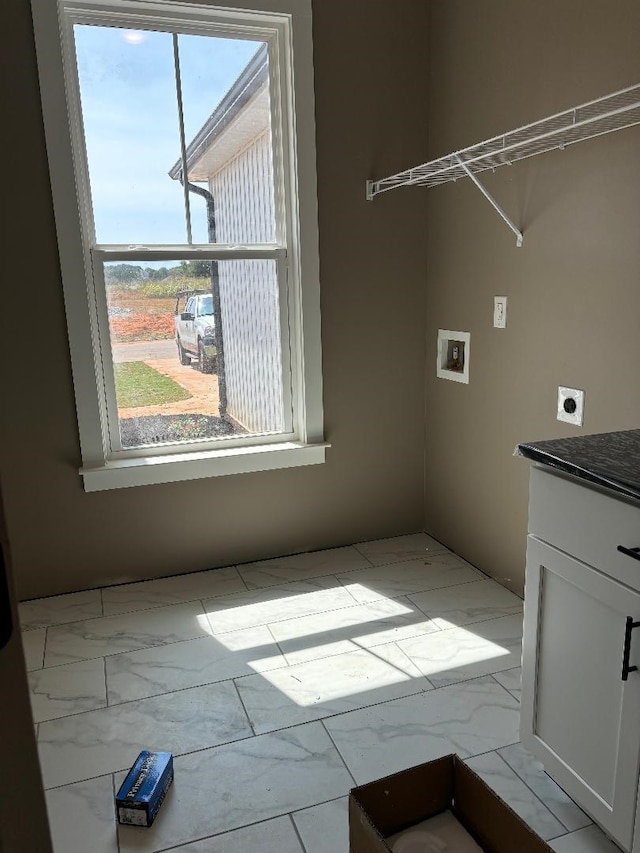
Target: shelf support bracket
[{"x": 490, "y": 199}]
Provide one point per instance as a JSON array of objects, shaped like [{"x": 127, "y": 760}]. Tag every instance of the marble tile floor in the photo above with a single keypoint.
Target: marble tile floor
[{"x": 278, "y": 686}]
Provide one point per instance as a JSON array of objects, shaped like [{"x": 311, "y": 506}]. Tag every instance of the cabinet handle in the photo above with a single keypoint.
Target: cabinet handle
[
  {"x": 626, "y": 669},
  {"x": 630, "y": 552}
]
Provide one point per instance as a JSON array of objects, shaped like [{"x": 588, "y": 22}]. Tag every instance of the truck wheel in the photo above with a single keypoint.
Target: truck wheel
[
  {"x": 206, "y": 364},
  {"x": 182, "y": 355}
]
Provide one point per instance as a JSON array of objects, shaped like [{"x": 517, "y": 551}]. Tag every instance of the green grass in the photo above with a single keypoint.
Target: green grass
[{"x": 137, "y": 384}]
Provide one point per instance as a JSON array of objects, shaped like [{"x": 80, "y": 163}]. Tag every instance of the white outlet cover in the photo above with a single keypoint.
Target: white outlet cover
[
  {"x": 499, "y": 312},
  {"x": 576, "y": 418}
]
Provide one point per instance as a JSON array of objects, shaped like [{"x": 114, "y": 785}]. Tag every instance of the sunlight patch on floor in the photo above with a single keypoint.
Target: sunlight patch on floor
[{"x": 353, "y": 669}]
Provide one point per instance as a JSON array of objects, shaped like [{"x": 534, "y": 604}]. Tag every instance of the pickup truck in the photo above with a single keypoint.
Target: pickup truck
[{"x": 195, "y": 328}]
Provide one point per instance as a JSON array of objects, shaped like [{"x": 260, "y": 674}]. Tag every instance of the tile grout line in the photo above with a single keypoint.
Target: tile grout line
[
  {"x": 233, "y": 631},
  {"x": 526, "y": 784},
  {"x": 403, "y": 595},
  {"x": 432, "y": 686},
  {"x": 493, "y": 676},
  {"x": 162, "y": 645},
  {"x": 405, "y": 559},
  {"x": 244, "y": 708},
  {"x": 591, "y": 825},
  {"x": 499, "y": 672},
  {"x": 124, "y": 613},
  {"x": 241, "y": 576},
  {"x": 160, "y": 606},
  {"x": 443, "y": 548},
  {"x": 210, "y": 596},
  {"x": 59, "y": 624},
  {"x": 436, "y": 628},
  {"x": 106, "y": 683},
  {"x": 280, "y": 649},
  {"x": 111, "y": 773},
  {"x": 419, "y": 692},
  {"x": 531, "y": 791},
  {"x": 297, "y": 831},
  {"x": 235, "y": 678},
  {"x": 44, "y": 647},
  {"x": 346, "y": 589},
  {"x": 409, "y": 595},
  {"x": 489, "y": 751},
  {"x": 154, "y": 696},
  {"x": 320, "y": 803},
  {"x": 175, "y": 755},
  {"x": 410, "y": 558},
  {"x": 114, "y": 791},
  {"x": 342, "y": 758},
  {"x": 284, "y": 666},
  {"x": 254, "y": 823}
]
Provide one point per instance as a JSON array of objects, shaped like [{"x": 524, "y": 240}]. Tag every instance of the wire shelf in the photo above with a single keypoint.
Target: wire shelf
[{"x": 595, "y": 118}]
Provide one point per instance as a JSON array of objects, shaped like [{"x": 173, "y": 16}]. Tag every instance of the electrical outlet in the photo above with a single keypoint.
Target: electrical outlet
[
  {"x": 570, "y": 405},
  {"x": 499, "y": 312}
]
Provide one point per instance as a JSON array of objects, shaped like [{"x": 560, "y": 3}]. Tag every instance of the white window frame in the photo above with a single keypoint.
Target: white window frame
[{"x": 287, "y": 24}]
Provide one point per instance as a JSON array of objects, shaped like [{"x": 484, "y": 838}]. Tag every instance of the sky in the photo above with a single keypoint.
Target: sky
[{"x": 130, "y": 113}]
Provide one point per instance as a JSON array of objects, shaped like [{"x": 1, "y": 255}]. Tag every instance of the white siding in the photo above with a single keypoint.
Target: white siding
[{"x": 248, "y": 290}]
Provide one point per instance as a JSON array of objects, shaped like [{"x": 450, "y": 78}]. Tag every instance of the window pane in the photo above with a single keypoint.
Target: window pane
[
  {"x": 128, "y": 94},
  {"x": 172, "y": 384},
  {"x": 228, "y": 139},
  {"x": 131, "y": 115}
]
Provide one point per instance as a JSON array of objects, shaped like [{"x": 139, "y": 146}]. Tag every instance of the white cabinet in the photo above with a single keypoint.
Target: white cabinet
[{"x": 579, "y": 716}]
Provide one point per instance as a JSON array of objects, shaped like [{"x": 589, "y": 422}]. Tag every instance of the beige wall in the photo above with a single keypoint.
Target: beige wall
[
  {"x": 573, "y": 289},
  {"x": 368, "y": 65}
]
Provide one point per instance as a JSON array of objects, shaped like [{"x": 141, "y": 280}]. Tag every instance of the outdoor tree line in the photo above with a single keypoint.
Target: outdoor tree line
[{"x": 133, "y": 273}]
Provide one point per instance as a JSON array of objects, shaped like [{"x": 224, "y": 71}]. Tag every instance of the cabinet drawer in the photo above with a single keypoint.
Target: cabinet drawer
[{"x": 586, "y": 523}]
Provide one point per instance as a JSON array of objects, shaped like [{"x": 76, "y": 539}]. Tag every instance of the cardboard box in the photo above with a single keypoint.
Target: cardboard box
[
  {"x": 143, "y": 791},
  {"x": 395, "y": 803}
]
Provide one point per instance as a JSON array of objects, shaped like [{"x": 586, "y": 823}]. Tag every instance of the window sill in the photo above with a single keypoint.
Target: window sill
[{"x": 149, "y": 470}]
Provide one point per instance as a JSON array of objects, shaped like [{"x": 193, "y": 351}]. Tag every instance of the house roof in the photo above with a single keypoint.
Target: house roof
[{"x": 241, "y": 116}]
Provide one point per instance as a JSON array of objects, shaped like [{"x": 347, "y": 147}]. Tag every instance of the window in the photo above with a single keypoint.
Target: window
[{"x": 184, "y": 194}]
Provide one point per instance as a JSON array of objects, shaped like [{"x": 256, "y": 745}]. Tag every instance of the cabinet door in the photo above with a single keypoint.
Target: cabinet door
[{"x": 578, "y": 716}]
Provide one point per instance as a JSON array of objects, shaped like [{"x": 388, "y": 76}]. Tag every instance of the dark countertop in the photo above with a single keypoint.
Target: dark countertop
[{"x": 610, "y": 459}]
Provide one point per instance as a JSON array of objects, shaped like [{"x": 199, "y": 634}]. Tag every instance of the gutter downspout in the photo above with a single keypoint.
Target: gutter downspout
[{"x": 215, "y": 291}]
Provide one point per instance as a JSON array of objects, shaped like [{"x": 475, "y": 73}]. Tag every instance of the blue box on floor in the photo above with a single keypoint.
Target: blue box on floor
[{"x": 142, "y": 792}]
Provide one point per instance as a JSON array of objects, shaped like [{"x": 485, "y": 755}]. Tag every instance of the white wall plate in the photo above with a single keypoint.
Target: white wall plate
[
  {"x": 570, "y": 405},
  {"x": 454, "y": 353}
]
